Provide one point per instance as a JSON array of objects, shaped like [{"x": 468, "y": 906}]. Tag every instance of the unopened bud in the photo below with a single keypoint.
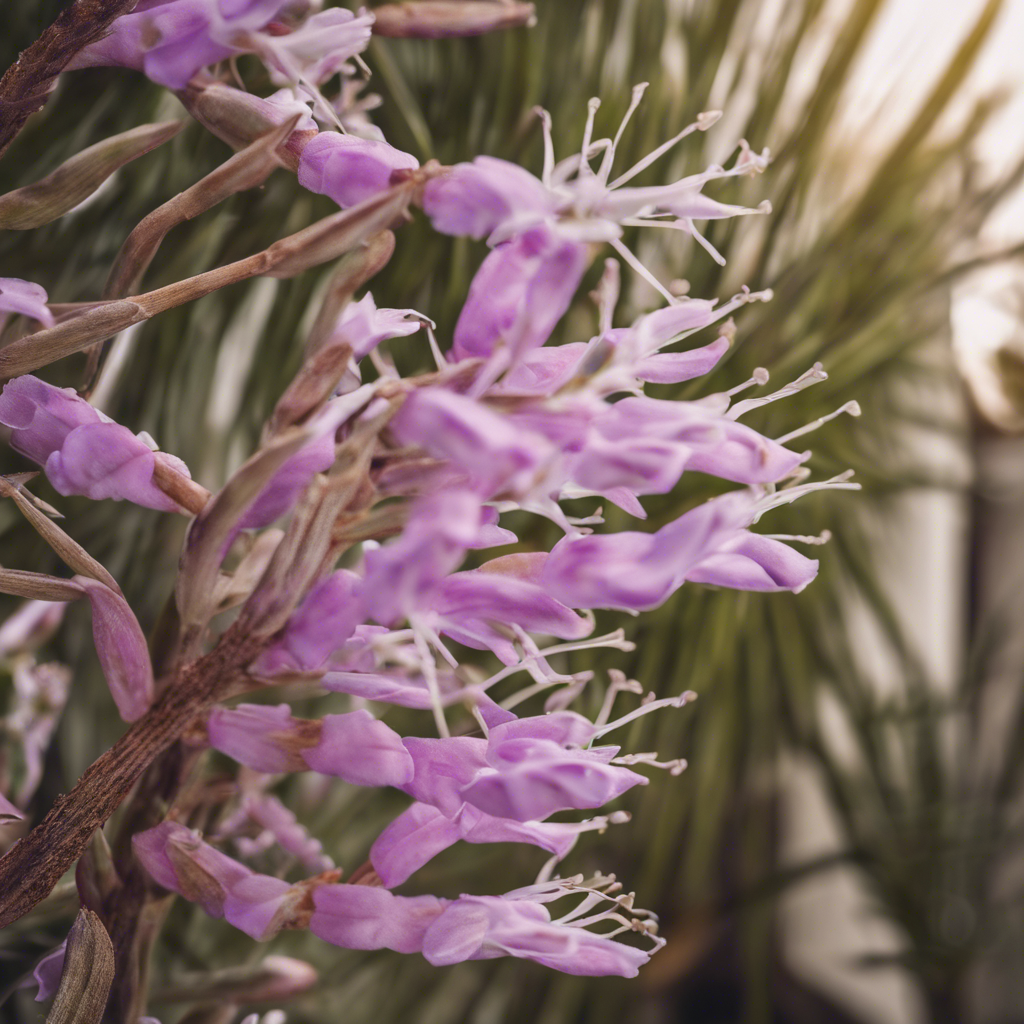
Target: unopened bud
[
  {"x": 76, "y": 179},
  {"x": 239, "y": 118},
  {"x": 439, "y": 19}
]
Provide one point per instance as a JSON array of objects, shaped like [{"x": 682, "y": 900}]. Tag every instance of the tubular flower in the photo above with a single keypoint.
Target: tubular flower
[
  {"x": 350, "y": 169},
  {"x": 24, "y": 297},
  {"x": 81, "y": 450},
  {"x": 170, "y": 40},
  {"x": 492, "y": 199}
]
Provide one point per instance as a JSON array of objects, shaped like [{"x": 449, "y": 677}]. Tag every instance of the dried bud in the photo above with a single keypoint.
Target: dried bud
[
  {"x": 239, "y": 118},
  {"x": 87, "y": 975},
  {"x": 274, "y": 979},
  {"x": 77, "y": 178},
  {"x": 438, "y": 19}
]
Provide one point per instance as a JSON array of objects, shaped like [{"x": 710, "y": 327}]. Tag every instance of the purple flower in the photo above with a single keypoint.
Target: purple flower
[
  {"x": 364, "y": 917},
  {"x": 518, "y": 295},
  {"x": 318, "y": 49},
  {"x": 477, "y": 607},
  {"x": 361, "y": 750},
  {"x": 494, "y": 454},
  {"x": 121, "y": 647},
  {"x": 353, "y": 746},
  {"x": 751, "y": 561},
  {"x": 48, "y": 972},
  {"x": 8, "y": 812},
  {"x": 180, "y": 861},
  {"x": 534, "y": 778},
  {"x": 81, "y": 450},
  {"x": 709, "y": 544},
  {"x": 400, "y": 577},
  {"x": 443, "y": 768},
  {"x": 327, "y": 617},
  {"x": 485, "y": 927},
  {"x": 479, "y": 198},
  {"x": 716, "y": 444},
  {"x": 420, "y": 833},
  {"x": 170, "y": 40},
  {"x": 24, "y": 297},
  {"x": 497, "y": 199},
  {"x": 349, "y": 169},
  {"x": 315, "y": 456},
  {"x": 363, "y": 326}
]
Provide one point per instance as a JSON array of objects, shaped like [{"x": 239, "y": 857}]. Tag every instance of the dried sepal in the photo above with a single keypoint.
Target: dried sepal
[
  {"x": 122, "y": 649},
  {"x": 76, "y": 179},
  {"x": 440, "y": 19},
  {"x": 319, "y": 243},
  {"x": 87, "y": 975},
  {"x": 70, "y": 551},
  {"x": 233, "y": 588},
  {"x": 352, "y": 272},
  {"x": 306, "y": 550},
  {"x": 247, "y": 169},
  {"x": 37, "y": 586}
]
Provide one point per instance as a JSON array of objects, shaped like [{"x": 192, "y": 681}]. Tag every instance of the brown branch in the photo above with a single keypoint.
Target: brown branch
[
  {"x": 30, "y": 870},
  {"x": 28, "y": 81}
]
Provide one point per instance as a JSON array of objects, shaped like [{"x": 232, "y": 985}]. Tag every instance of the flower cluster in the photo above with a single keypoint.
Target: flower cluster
[{"x": 365, "y": 538}]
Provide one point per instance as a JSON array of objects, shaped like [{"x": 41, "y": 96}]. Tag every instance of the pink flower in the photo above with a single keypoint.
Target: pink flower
[
  {"x": 81, "y": 450},
  {"x": 349, "y": 169},
  {"x": 180, "y": 861},
  {"x": 24, "y": 297},
  {"x": 170, "y": 40},
  {"x": 353, "y": 746},
  {"x": 121, "y": 647},
  {"x": 363, "y": 917}
]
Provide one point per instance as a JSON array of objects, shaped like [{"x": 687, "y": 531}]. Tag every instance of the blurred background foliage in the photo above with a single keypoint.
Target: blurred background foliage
[{"x": 863, "y": 247}]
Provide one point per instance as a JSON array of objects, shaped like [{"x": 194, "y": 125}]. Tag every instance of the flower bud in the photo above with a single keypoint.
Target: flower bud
[
  {"x": 437, "y": 19},
  {"x": 350, "y": 169}
]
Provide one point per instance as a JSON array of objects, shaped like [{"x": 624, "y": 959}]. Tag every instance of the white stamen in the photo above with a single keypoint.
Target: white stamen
[
  {"x": 703, "y": 122},
  {"x": 759, "y": 379},
  {"x": 853, "y": 408},
  {"x": 549, "y": 146},
  {"x": 645, "y": 708},
  {"x": 787, "y": 495},
  {"x": 609, "y": 156},
  {"x": 592, "y": 104},
  {"x": 675, "y": 767},
  {"x": 704, "y": 243},
  {"x": 815, "y": 375},
  {"x": 475, "y": 711},
  {"x": 435, "y": 349},
  {"x": 801, "y": 538},
  {"x": 619, "y": 684},
  {"x": 429, "y": 669},
  {"x": 628, "y": 256}
]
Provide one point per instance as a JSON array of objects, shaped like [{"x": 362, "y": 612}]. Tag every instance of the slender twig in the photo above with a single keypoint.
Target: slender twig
[
  {"x": 28, "y": 81},
  {"x": 30, "y": 870}
]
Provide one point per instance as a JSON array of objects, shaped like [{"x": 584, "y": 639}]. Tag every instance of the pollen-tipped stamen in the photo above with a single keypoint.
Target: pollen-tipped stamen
[
  {"x": 702, "y": 124},
  {"x": 852, "y": 408},
  {"x": 609, "y": 156},
  {"x": 815, "y": 375}
]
